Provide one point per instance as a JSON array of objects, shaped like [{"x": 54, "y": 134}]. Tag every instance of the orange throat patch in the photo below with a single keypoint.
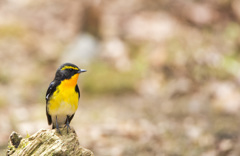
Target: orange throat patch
[{"x": 70, "y": 82}]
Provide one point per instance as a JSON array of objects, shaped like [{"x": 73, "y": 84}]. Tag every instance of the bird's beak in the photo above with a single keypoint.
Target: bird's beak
[{"x": 82, "y": 70}]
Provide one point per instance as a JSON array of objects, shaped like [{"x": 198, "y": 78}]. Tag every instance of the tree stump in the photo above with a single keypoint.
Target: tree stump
[{"x": 47, "y": 143}]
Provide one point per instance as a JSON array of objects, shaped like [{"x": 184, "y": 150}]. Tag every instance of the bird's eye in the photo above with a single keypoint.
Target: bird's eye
[{"x": 71, "y": 69}]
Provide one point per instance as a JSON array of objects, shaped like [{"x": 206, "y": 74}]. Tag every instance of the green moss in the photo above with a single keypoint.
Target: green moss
[
  {"x": 12, "y": 30},
  {"x": 3, "y": 101},
  {"x": 230, "y": 64},
  {"x": 201, "y": 73},
  {"x": 105, "y": 79},
  {"x": 102, "y": 78},
  {"x": 4, "y": 78},
  {"x": 232, "y": 31},
  {"x": 28, "y": 135},
  {"x": 10, "y": 146},
  {"x": 23, "y": 144}
]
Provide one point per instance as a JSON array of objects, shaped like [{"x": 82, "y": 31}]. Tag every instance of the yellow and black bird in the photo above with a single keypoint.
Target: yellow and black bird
[{"x": 62, "y": 96}]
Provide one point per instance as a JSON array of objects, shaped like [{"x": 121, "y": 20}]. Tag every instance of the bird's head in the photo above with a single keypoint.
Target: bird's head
[{"x": 67, "y": 70}]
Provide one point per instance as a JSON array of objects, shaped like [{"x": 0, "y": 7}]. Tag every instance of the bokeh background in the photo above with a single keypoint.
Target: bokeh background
[{"x": 163, "y": 75}]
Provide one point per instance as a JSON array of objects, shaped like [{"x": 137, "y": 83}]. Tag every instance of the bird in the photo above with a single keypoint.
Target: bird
[{"x": 62, "y": 96}]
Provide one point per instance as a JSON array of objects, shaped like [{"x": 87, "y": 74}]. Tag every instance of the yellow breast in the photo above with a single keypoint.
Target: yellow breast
[{"x": 64, "y": 100}]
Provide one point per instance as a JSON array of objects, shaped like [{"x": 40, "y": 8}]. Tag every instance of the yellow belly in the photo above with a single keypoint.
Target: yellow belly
[{"x": 64, "y": 101}]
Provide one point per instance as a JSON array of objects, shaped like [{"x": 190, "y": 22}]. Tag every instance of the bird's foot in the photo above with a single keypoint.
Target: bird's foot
[
  {"x": 57, "y": 127},
  {"x": 68, "y": 126},
  {"x": 58, "y": 130}
]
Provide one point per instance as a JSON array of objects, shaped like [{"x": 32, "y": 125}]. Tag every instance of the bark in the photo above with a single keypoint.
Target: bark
[{"x": 47, "y": 143}]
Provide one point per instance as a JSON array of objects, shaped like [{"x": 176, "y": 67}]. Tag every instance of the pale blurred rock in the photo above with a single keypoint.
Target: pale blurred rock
[
  {"x": 213, "y": 57},
  {"x": 206, "y": 140},
  {"x": 115, "y": 15},
  {"x": 19, "y": 3},
  {"x": 109, "y": 26},
  {"x": 20, "y": 113},
  {"x": 236, "y": 8},
  {"x": 193, "y": 129},
  {"x": 150, "y": 26},
  {"x": 225, "y": 145},
  {"x": 82, "y": 50},
  {"x": 180, "y": 85},
  {"x": 158, "y": 57},
  {"x": 226, "y": 97},
  {"x": 210, "y": 153},
  {"x": 116, "y": 52},
  {"x": 199, "y": 13},
  {"x": 196, "y": 106},
  {"x": 150, "y": 87},
  {"x": 194, "y": 132}
]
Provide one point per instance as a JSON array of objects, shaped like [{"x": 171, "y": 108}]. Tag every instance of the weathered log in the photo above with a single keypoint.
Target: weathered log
[{"x": 47, "y": 143}]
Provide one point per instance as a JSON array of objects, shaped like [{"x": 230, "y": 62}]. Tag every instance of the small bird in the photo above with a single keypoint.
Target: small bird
[{"x": 62, "y": 96}]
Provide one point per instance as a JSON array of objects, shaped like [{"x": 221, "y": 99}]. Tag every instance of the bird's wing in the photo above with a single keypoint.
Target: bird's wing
[
  {"x": 77, "y": 90},
  {"x": 50, "y": 91},
  {"x": 70, "y": 118}
]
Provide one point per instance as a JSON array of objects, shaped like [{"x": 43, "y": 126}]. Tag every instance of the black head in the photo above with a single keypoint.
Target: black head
[{"x": 67, "y": 70}]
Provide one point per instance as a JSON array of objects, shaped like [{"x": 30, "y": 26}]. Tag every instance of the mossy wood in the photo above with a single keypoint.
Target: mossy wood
[{"x": 46, "y": 143}]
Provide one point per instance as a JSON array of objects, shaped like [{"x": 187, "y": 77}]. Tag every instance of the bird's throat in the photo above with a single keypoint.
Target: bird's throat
[{"x": 70, "y": 82}]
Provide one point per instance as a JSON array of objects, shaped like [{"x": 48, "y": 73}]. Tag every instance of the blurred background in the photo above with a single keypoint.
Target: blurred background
[{"x": 163, "y": 75}]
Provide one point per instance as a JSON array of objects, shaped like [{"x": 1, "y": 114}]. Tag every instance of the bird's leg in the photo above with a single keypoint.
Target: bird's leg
[
  {"x": 57, "y": 126},
  {"x": 67, "y": 123}
]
